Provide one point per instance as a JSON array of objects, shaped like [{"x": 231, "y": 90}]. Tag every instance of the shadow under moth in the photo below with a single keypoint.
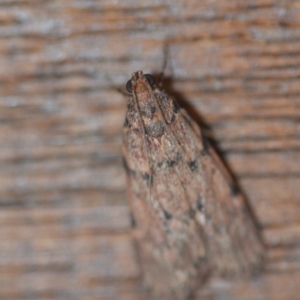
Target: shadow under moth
[{"x": 189, "y": 222}]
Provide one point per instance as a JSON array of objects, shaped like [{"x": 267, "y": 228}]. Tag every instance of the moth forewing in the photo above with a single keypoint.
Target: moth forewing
[{"x": 188, "y": 222}]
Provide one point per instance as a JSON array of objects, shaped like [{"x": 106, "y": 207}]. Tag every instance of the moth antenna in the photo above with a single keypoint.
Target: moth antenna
[
  {"x": 121, "y": 91},
  {"x": 116, "y": 88},
  {"x": 164, "y": 64}
]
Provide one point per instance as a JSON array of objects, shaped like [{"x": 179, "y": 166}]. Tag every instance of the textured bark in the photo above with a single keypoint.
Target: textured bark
[{"x": 234, "y": 65}]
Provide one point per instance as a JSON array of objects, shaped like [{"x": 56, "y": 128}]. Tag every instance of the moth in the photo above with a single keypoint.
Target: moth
[{"x": 190, "y": 222}]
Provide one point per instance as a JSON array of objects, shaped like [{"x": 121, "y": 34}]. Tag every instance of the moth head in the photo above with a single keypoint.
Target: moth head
[{"x": 139, "y": 77}]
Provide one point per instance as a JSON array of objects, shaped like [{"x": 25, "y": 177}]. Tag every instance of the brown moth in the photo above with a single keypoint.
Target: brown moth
[{"x": 189, "y": 220}]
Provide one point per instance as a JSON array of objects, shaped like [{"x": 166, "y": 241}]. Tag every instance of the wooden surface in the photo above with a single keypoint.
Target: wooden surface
[{"x": 64, "y": 220}]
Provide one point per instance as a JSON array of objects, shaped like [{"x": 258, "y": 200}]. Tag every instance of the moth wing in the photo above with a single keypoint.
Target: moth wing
[
  {"x": 233, "y": 244},
  {"x": 188, "y": 220},
  {"x": 169, "y": 240}
]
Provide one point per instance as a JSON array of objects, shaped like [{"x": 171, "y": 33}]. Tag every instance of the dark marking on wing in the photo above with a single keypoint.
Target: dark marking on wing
[
  {"x": 176, "y": 107},
  {"x": 148, "y": 177},
  {"x": 167, "y": 215},
  {"x": 133, "y": 221},
  {"x": 234, "y": 189},
  {"x": 167, "y": 163},
  {"x": 155, "y": 129},
  {"x": 148, "y": 111},
  {"x": 172, "y": 163},
  {"x": 200, "y": 203},
  {"x": 162, "y": 164},
  {"x": 193, "y": 165},
  {"x": 126, "y": 123},
  {"x": 175, "y": 111}
]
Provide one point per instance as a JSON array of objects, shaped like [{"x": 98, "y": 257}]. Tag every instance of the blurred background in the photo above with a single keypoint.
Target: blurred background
[{"x": 64, "y": 220}]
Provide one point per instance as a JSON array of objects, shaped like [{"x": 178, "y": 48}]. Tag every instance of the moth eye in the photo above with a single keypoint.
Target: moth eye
[
  {"x": 129, "y": 86},
  {"x": 150, "y": 79}
]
